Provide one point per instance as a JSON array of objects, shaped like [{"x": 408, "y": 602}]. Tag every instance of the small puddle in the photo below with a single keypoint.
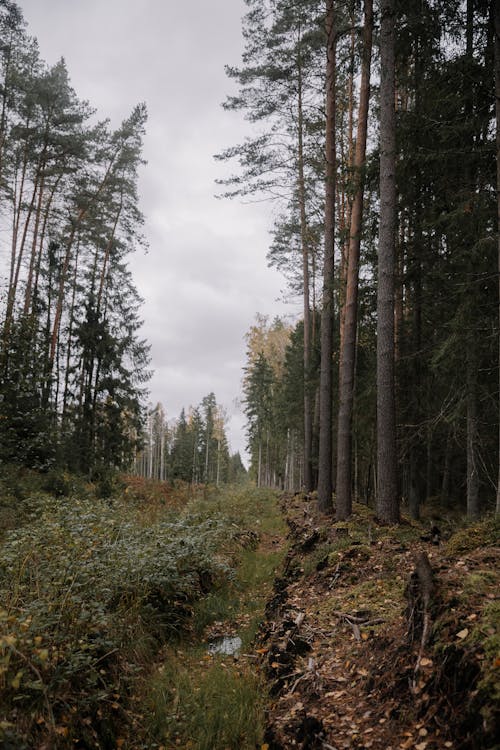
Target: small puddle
[{"x": 226, "y": 645}]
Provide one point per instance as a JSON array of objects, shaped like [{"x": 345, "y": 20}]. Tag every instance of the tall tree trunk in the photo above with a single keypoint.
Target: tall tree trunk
[
  {"x": 308, "y": 480},
  {"x": 348, "y": 164},
  {"x": 67, "y": 258},
  {"x": 387, "y": 485},
  {"x": 399, "y": 292},
  {"x": 497, "y": 110},
  {"x": 107, "y": 253},
  {"x": 48, "y": 206},
  {"x": 348, "y": 340},
  {"x": 69, "y": 341},
  {"x": 327, "y": 310},
  {"x": 33, "y": 256},
  {"x": 472, "y": 433},
  {"x": 471, "y": 364},
  {"x": 18, "y": 193},
  {"x": 5, "y": 98},
  {"x": 16, "y": 269}
]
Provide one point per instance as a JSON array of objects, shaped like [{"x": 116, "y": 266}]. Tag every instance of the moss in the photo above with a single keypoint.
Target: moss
[
  {"x": 382, "y": 597},
  {"x": 482, "y": 533},
  {"x": 321, "y": 554},
  {"x": 479, "y": 583},
  {"x": 486, "y": 635}
]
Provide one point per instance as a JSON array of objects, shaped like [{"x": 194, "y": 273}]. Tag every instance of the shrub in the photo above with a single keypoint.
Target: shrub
[{"x": 87, "y": 592}]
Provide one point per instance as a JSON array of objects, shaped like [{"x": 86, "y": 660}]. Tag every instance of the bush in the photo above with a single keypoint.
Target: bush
[
  {"x": 87, "y": 593},
  {"x": 58, "y": 483}
]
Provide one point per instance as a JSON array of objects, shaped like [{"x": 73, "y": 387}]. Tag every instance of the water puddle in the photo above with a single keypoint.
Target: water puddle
[{"x": 226, "y": 645}]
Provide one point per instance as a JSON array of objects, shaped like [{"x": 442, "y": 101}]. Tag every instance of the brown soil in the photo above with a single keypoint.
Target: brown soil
[{"x": 358, "y": 655}]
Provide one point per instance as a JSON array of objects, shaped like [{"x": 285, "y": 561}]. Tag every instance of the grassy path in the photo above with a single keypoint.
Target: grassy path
[{"x": 200, "y": 700}]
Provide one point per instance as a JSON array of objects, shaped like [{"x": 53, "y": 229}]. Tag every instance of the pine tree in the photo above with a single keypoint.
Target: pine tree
[
  {"x": 496, "y": 6},
  {"x": 387, "y": 487},
  {"x": 348, "y": 339},
  {"x": 325, "y": 468}
]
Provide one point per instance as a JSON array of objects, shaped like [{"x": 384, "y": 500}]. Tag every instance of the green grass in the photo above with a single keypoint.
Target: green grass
[
  {"x": 194, "y": 700},
  {"x": 210, "y": 704}
]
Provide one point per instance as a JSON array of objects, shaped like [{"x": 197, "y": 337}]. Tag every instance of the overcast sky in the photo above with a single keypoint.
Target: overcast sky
[{"x": 205, "y": 276}]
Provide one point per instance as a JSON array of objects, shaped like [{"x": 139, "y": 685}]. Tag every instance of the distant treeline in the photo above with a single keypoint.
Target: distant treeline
[{"x": 193, "y": 448}]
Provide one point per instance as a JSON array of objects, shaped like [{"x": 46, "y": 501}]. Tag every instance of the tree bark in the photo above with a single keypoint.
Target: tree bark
[
  {"x": 348, "y": 340},
  {"x": 471, "y": 363},
  {"x": 16, "y": 261},
  {"x": 308, "y": 480},
  {"x": 327, "y": 311},
  {"x": 497, "y": 111},
  {"x": 67, "y": 258},
  {"x": 33, "y": 256},
  {"x": 472, "y": 433},
  {"x": 387, "y": 486},
  {"x": 34, "y": 296}
]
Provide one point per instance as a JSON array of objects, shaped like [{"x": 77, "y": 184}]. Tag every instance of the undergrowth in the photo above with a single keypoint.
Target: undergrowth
[{"x": 91, "y": 589}]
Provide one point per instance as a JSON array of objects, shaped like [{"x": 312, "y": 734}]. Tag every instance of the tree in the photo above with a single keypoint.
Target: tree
[
  {"x": 435, "y": 319},
  {"x": 387, "y": 486},
  {"x": 182, "y": 450},
  {"x": 496, "y": 6},
  {"x": 343, "y": 485},
  {"x": 258, "y": 398},
  {"x": 72, "y": 364},
  {"x": 277, "y": 86},
  {"x": 325, "y": 484}
]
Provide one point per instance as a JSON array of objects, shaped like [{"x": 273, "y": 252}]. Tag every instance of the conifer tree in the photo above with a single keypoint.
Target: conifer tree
[
  {"x": 325, "y": 468},
  {"x": 282, "y": 44},
  {"x": 387, "y": 485},
  {"x": 496, "y": 6},
  {"x": 72, "y": 364},
  {"x": 343, "y": 485}
]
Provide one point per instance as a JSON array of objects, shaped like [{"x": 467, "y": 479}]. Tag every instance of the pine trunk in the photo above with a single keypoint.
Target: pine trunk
[
  {"x": 348, "y": 340},
  {"x": 308, "y": 480},
  {"x": 67, "y": 258},
  {"x": 33, "y": 256},
  {"x": 497, "y": 110},
  {"x": 472, "y": 433},
  {"x": 17, "y": 258},
  {"x": 327, "y": 311},
  {"x": 387, "y": 488}
]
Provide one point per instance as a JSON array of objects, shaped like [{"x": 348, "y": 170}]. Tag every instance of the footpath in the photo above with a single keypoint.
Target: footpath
[{"x": 382, "y": 637}]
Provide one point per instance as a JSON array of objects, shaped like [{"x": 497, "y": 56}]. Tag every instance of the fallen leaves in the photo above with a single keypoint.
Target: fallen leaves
[{"x": 366, "y": 700}]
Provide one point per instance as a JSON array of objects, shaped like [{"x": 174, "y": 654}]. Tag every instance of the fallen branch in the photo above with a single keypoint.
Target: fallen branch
[{"x": 355, "y": 621}]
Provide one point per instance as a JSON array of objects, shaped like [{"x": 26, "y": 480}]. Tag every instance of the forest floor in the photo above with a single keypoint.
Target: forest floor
[
  {"x": 350, "y": 635},
  {"x": 362, "y": 649}
]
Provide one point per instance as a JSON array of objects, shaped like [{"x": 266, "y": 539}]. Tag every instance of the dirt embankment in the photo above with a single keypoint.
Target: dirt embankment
[{"x": 381, "y": 637}]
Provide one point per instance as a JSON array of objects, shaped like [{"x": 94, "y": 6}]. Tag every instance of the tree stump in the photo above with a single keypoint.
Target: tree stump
[{"x": 420, "y": 592}]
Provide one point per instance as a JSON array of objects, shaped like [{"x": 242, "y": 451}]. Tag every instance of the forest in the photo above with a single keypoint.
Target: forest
[
  {"x": 73, "y": 366},
  {"x": 387, "y": 387},
  {"x": 381, "y": 164},
  {"x": 341, "y": 592}
]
